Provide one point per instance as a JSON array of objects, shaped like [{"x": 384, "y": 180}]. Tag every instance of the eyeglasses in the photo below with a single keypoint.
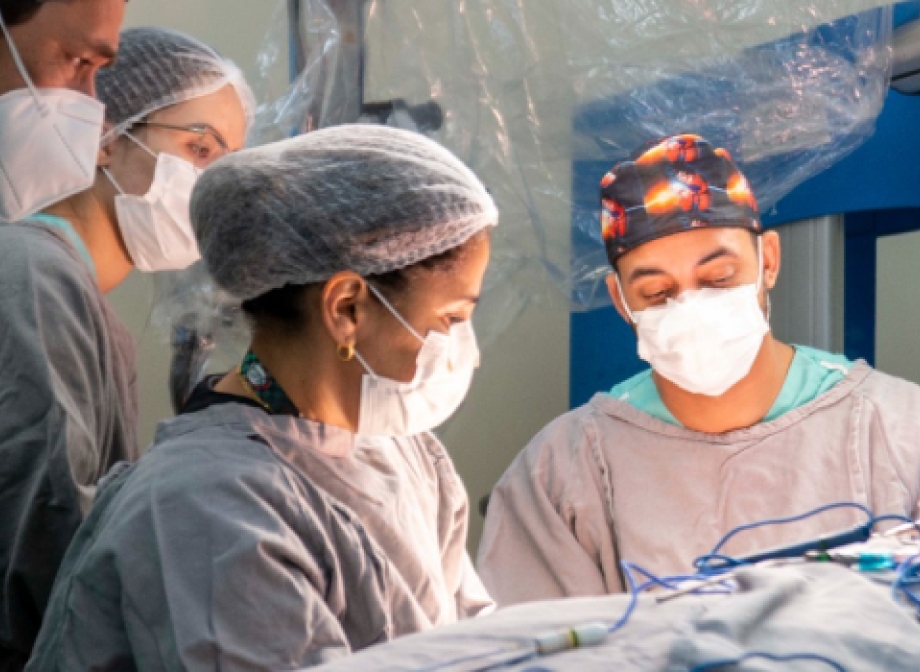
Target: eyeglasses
[{"x": 208, "y": 146}]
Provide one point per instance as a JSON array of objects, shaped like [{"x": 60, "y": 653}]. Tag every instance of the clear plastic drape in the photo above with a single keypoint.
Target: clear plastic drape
[{"x": 542, "y": 97}]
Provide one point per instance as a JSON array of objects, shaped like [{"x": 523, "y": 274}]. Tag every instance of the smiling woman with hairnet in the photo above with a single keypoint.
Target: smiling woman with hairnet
[
  {"x": 67, "y": 398},
  {"x": 299, "y": 508}
]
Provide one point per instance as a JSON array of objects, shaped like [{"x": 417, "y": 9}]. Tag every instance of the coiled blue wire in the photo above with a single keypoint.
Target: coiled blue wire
[{"x": 907, "y": 576}]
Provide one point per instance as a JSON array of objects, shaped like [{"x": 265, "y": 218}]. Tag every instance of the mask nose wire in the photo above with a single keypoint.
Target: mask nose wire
[
  {"x": 632, "y": 317},
  {"x": 21, "y": 67}
]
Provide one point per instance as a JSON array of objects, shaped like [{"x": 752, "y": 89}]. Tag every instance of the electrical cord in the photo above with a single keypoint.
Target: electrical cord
[
  {"x": 579, "y": 636},
  {"x": 708, "y": 566},
  {"x": 905, "y": 579},
  {"x": 714, "y": 561}
]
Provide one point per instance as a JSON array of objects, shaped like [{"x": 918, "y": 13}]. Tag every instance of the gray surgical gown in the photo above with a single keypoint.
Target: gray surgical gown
[
  {"x": 607, "y": 482},
  {"x": 67, "y": 412},
  {"x": 248, "y": 541}
]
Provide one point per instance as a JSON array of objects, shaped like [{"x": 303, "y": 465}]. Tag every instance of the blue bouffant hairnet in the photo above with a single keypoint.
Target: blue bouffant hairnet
[
  {"x": 157, "y": 68},
  {"x": 369, "y": 199}
]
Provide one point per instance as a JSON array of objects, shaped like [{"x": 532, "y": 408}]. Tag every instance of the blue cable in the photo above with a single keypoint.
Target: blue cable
[
  {"x": 791, "y": 519},
  {"x": 704, "y": 667},
  {"x": 653, "y": 580},
  {"x": 673, "y": 582},
  {"x": 906, "y": 577},
  {"x": 714, "y": 562},
  {"x": 633, "y": 596},
  {"x": 703, "y": 563}
]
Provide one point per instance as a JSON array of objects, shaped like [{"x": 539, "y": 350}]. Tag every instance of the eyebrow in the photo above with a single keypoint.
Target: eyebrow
[
  {"x": 717, "y": 254},
  {"x": 649, "y": 271},
  {"x": 644, "y": 272},
  {"x": 220, "y": 138},
  {"x": 105, "y": 50}
]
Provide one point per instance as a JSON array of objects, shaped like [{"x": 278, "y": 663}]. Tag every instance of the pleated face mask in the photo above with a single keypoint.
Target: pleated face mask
[
  {"x": 706, "y": 340},
  {"x": 156, "y": 226},
  {"x": 443, "y": 374}
]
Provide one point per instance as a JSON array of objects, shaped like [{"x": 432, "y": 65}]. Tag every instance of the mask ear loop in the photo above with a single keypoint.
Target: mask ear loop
[
  {"x": 21, "y": 67},
  {"x": 366, "y": 366},
  {"x": 108, "y": 174},
  {"x": 105, "y": 171},
  {"x": 402, "y": 321},
  {"x": 760, "y": 274},
  {"x": 632, "y": 317},
  {"x": 140, "y": 144},
  {"x": 376, "y": 292}
]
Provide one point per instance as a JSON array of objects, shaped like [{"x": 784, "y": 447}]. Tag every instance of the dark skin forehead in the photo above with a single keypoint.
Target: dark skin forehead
[{"x": 457, "y": 283}]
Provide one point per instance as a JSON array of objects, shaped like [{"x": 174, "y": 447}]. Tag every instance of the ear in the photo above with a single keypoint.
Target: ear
[
  {"x": 344, "y": 307},
  {"x": 772, "y": 254},
  {"x": 104, "y": 158},
  {"x": 616, "y": 297}
]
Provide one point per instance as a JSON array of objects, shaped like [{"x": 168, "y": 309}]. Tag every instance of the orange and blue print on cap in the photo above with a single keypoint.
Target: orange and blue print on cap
[{"x": 675, "y": 184}]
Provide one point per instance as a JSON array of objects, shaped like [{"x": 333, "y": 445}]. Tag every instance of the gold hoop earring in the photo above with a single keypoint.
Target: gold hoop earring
[{"x": 346, "y": 353}]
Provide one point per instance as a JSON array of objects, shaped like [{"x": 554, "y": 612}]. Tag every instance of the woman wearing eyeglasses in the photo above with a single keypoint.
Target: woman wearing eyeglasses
[{"x": 67, "y": 399}]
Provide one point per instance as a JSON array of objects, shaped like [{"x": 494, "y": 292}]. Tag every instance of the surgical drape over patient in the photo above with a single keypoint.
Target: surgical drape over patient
[{"x": 364, "y": 198}]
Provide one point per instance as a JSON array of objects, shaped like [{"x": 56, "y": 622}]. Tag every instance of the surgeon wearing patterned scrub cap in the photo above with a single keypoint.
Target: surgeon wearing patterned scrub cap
[
  {"x": 728, "y": 425},
  {"x": 68, "y": 408},
  {"x": 300, "y": 507}
]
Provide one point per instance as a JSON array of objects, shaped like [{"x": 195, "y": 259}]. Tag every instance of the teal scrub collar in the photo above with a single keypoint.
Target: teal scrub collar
[{"x": 65, "y": 227}]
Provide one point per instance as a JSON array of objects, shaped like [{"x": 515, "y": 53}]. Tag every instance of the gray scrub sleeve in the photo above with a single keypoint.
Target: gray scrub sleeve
[
  {"x": 550, "y": 518},
  {"x": 54, "y": 407},
  {"x": 211, "y": 556}
]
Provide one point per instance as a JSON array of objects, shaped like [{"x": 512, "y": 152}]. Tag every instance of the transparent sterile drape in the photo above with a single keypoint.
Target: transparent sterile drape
[{"x": 541, "y": 97}]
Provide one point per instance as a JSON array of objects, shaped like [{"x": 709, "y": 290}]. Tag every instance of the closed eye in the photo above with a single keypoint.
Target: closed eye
[{"x": 657, "y": 297}]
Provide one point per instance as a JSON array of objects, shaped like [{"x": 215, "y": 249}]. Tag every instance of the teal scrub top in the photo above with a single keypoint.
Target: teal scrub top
[
  {"x": 812, "y": 373},
  {"x": 62, "y": 225}
]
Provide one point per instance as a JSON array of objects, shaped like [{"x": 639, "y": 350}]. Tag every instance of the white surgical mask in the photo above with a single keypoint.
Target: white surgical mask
[
  {"x": 444, "y": 371},
  {"x": 157, "y": 227},
  {"x": 706, "y": 340},
  {"x": 49, "y": 143}
]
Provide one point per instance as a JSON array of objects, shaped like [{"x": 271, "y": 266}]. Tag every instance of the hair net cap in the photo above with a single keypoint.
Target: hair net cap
[
  {"x": 369, "y": 199},
  {"x": 157, "y": 68},
  {"x": 675, "y": 184}
]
